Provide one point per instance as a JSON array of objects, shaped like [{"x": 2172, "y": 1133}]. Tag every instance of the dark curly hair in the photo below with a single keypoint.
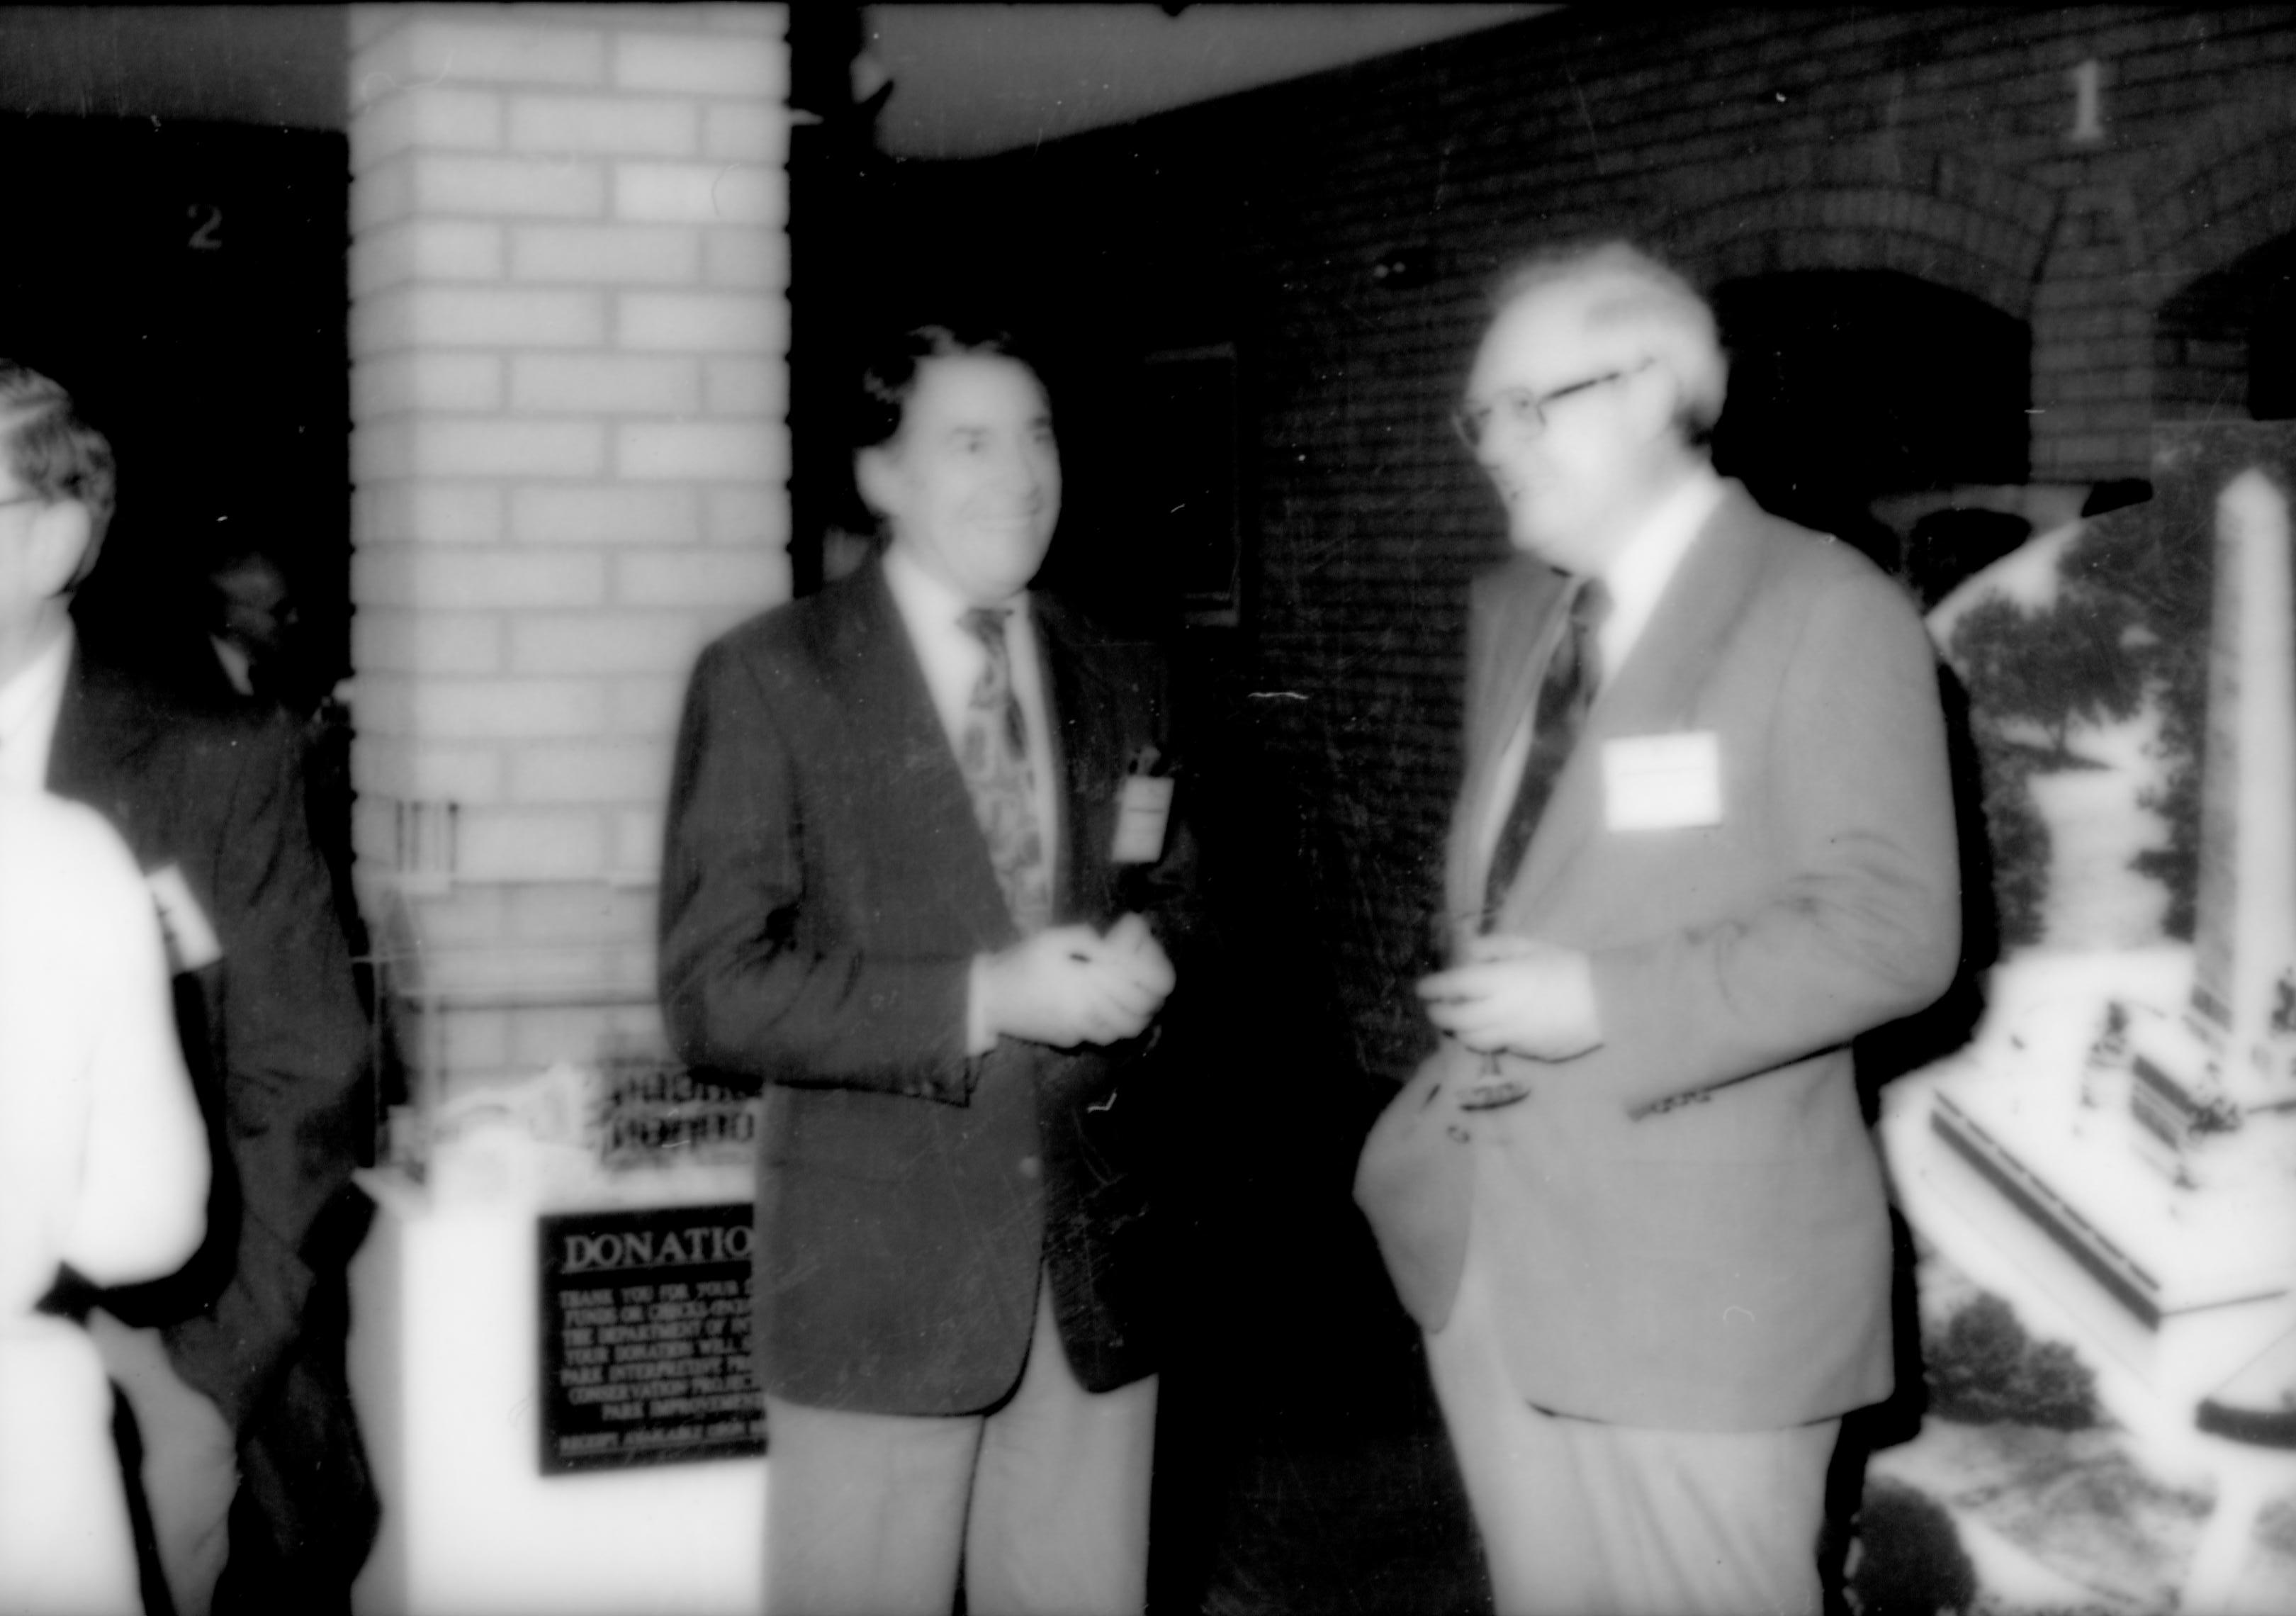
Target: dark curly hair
[{"x": 889, "y": 377}]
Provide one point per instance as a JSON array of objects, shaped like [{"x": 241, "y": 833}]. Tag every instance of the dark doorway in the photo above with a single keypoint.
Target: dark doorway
[
  {"x": 187, "y": 283},
  {"x": 2226, "y": 343},
  {"x": 1849, "y": 384}
]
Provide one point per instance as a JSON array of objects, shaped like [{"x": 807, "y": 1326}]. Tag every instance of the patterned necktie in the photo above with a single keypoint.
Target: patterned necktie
[
  {"x": 993, "y": 750},
  {"x": 1565, "y": 691}
]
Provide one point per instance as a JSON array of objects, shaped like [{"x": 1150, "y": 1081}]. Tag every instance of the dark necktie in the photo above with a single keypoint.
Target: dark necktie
[
  {"x": 1565, "y": 691},
  {"x": 993, "y": 750}
]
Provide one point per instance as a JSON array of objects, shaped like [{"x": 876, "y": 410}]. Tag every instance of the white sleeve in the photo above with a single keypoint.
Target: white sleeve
[{"x": 142, "y": 1205}]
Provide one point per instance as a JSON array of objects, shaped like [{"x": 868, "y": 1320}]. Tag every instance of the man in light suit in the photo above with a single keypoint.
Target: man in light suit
[
  {"x": 1705, "y": 839},
  {"x": 233, "y": 1366},
  {"x": 917, "y": 883}
]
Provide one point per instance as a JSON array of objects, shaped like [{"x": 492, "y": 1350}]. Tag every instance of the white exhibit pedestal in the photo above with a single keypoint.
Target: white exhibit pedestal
[
  {"x": 444, "y": 1367},
  {"x": 2155, "y": 1363}
]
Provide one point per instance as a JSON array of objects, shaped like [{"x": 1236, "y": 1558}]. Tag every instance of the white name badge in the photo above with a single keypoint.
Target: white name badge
[
  {"x": 1140, "y": 819},
  {"x": 1662, "y": 783},
  {"x": 192, "y": 941}
]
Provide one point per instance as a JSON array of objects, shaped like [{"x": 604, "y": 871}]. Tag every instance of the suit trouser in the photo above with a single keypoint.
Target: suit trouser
[
  {"x": 1043, "y": 1502},
  {"x": 1580, "y": 1518},
  {"x": 191, "y": 1460}
]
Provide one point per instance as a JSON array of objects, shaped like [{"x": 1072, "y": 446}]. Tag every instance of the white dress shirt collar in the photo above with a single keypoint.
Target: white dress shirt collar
[
  {"x": 952, "y": 657},
  {"x": 1638, "y": 573},
  {"x": 30, "y": 702},
  {"x": 951, "y": 654}
]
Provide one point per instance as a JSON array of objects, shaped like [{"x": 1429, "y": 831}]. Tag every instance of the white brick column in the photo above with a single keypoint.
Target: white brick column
[{"x": 568, "y": 269}]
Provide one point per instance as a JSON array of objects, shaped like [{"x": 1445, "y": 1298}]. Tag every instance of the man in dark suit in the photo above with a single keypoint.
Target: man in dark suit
[
  {"x": 1706, "y": 839},
  {"x": 917, "y": 883},
  {"x": 238, "y": 1395}
]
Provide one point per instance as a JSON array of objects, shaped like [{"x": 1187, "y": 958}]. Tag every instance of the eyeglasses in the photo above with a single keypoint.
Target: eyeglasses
[{"x": 1518, "y": 411}]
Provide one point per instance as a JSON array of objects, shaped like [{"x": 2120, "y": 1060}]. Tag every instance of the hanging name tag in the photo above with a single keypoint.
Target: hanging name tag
[
  {"x": 1141, "y": 814},
  {"x": 1662, "y": 783},
  {"x": 192, "y": 941}
]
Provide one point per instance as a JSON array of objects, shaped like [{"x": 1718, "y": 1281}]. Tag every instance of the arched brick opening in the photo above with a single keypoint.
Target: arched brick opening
[
  {"x": 1947, "y": 221},
  {"x": 1878, "y": 306},
  {"x": 1847, "y": 385},
  {"x": 2218, "y": 193},
  {"x": 2225, "y": 344},
  {"x": 2216, "y": 241}
]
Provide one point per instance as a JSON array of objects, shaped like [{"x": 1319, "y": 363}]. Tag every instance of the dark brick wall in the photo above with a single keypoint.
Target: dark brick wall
[{"x": 1337, "y": 231}]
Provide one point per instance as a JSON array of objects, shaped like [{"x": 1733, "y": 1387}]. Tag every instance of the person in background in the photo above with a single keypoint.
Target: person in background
[
  {"x": 919, "y": 883},
  {"x": 1706, "y": 839},
  {"x": 253, "y": 647},
  {"x": 232, "y": 1364},
  {"x": 252, "y": 616}
]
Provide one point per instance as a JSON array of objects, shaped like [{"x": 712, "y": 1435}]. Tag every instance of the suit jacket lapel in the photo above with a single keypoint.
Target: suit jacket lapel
[
  {"x": 882, "y": 686},
  {"x": 101, "y": 732},
  {"x": 1074, "y": 742},
  {"x": 1520, "y": 617},
  {"x": 1527, "y": 619},
  {"x": 1656, "y": 692}
]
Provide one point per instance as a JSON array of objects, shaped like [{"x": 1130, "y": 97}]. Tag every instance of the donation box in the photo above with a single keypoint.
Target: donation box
[{"x": 550, "y": 1357}]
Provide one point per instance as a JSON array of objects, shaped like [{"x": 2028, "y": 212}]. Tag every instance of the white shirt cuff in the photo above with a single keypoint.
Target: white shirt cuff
[{"x": 979, "y": 1036}]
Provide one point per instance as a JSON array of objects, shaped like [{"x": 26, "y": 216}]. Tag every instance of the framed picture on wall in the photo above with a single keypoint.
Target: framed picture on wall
[{"x": 1194, "y": 515}]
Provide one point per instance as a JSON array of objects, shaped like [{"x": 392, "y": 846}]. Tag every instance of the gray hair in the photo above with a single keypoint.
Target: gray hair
[{"x": 1636, "y": 289}]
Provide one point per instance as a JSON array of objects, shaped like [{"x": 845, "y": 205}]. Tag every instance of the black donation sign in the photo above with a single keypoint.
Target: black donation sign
[{"x": 645, "y": 1338}]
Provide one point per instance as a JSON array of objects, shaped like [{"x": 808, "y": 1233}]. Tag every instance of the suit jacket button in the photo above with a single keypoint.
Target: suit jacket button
[{"x": 1031, "y": 1168}]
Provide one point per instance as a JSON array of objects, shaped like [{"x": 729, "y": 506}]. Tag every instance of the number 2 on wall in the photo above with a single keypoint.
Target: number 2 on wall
[{"x": 206, "y": 235}]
